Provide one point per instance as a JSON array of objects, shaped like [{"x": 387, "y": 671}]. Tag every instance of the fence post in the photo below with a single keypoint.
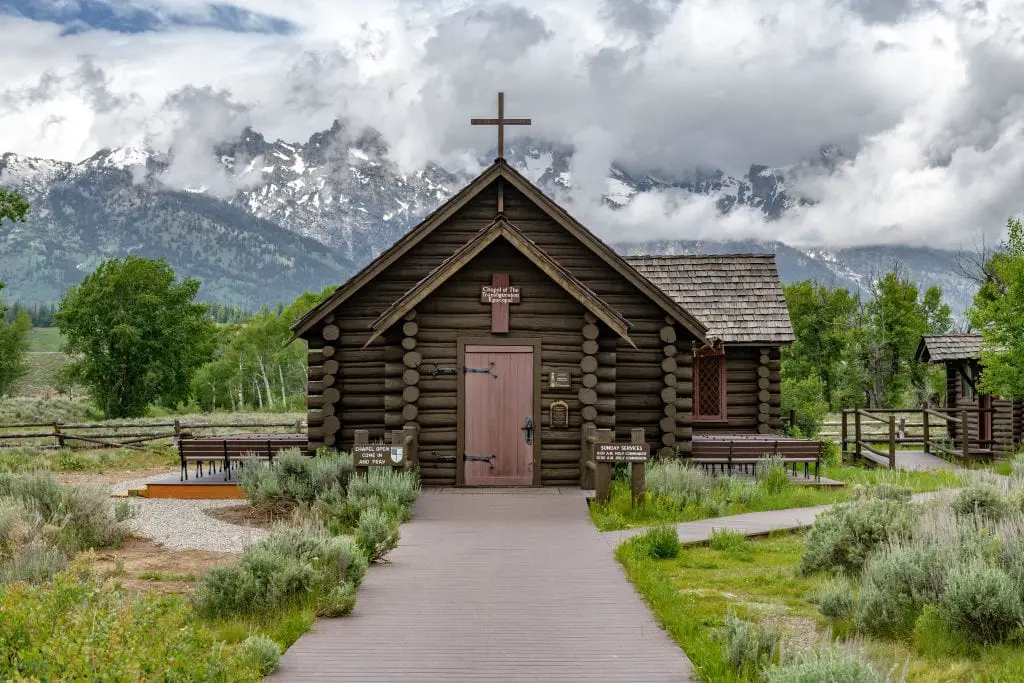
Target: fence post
[
  {"x": 603, "y": 473},
  {"x": 792, "y": 418},
  {"x": 925, "y": 431},
  {"x": 845, "y": 434},
  {"x": 892, "y": 442},
  {"x": 856, "y": 433},
  {"x": 362, "y": 437},
  {"x": 58, "y": 435},
  {"x": 965, "y": 433},
  {"x": 298, "y": 426},
  {"x": 176, "y": 439},
  {"x": 638, "y": 470}
]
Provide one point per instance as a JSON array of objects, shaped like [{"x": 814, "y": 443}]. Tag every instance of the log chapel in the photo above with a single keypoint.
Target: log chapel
[{"x": 499, "y": 326}]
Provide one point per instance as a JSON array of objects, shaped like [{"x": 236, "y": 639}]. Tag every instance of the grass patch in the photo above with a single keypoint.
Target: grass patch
[
  {"x": 165, "y": 576},
  {"x": 97, "y": 462},
  {"x": 703, "y": 497},
  {"x": 45, "y": 339},
  {"x": 695, "y": 594}
]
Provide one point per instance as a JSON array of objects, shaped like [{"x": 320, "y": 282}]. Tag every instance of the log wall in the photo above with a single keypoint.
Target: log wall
[
  {"x": 752, "y": 391},
  {"x": 395, "y": 381}
]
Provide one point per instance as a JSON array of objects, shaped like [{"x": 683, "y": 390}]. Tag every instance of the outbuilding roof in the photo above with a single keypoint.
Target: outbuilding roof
[
  {"x": 738, "y": 297},
  {"x": 944, "y": 347}
]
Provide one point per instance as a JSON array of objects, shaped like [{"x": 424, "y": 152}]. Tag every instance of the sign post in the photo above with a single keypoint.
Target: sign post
[{"x": 636, "y": 452}]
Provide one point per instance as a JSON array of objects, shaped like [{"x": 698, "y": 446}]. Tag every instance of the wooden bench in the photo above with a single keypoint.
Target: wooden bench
[
  {"x": 728, "y": 454},
  {"x": 225, "y": 452}
]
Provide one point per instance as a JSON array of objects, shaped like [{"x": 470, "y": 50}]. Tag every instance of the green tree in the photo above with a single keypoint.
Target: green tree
[
  {"x": 822, "y": 322},
  {"x": 894, "y": 320},
  {"x": 140, "y": 335},
  {"x": 12, "y": 206},
  {"x": 998, "y": 312},
  {"x": 13, "y": 348},
  {"x": 255, "y": 365}
]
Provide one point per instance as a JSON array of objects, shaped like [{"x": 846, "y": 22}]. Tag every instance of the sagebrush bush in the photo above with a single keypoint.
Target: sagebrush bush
[
  {"x": 677, "y": 480},
  {"x": 736, "y": 490},
  {"x": 44, "y": 523},
  {"x": 835, "y": 599},
  {"x": 843, "y": 537},
  {"x": 748, "y": 647},
  {"x": 981, "y": 602},
  {"x": 387, "y": 489},
  {"x": 290, "y": 566},
  {"x": 262, "y": 652},
  {"x": 376, "y": 533},
  {"x": 660, "y": 543},
  {"x": 821, "y": 665},
  {"x": 770, "y": 472},
  {"x": 338, "y": 602},
  {"x": 898, "y": 581},
  {"x": 295, "y": 479},
  {"x": 70, "y": 629},
  {"x": 984, "y": 500}
]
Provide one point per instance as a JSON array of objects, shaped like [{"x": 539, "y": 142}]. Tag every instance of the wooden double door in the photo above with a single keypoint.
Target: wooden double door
[{"x": 499, "y": 430}]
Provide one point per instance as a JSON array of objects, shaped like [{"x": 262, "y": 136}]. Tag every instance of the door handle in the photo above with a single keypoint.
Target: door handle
[{"x": 528, "y": 429}]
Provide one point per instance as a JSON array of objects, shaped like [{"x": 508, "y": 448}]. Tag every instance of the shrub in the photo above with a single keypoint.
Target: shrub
[
  {"x": 984, "y": 500},
  {"x": 390, "y": 490},
  {"x": 885, "y": 491},
  {"x": 770, "y": 473},
  {"x": 71, "y": 461},
  {"x": 68, "y": 629},
  {"x": 262, "y": 652},
  {"x": 728, "y": 540},
  {"x": 748, "y": 647},
  {"x": 679, "y": 481},
  {"x": 43, "y": 524},
  {"x": 295, "y": 479},
  {"x": 1011, "y": 560},
  {"x": 835, "y": 599},
  {"x": 735, "y": 490},
  {"x": 898, "y": 581},
  {"x": 376, "y": 534},
  {"x": 660, "y": 543},
  {"x": 291, "y": 566},
  {"x": 832, "y": 664},
  {"x": 844, "y": 536},
  {"x": 339, "y": 601},
  {"x": 980, "y": 602}
]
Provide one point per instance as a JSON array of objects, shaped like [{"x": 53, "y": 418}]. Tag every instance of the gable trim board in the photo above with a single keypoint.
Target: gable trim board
[
  {"x": 501, "y": 228},
  {"x": 500, "y": 169}
]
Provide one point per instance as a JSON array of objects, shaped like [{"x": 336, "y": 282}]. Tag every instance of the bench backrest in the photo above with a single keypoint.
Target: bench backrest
[{"x": 237, "y": 448}]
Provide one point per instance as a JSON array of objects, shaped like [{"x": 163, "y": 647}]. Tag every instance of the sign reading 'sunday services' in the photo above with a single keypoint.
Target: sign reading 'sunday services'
[{"x": 621, "y": 452}]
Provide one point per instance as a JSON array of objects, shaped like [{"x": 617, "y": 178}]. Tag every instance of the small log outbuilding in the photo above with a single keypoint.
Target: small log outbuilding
[
  {"x": 995, "y": 423},
  {"x": 500, "y": 326}
]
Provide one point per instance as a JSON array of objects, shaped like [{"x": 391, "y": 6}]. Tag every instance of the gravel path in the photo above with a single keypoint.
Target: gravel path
[{"x": 182, "y": 525}]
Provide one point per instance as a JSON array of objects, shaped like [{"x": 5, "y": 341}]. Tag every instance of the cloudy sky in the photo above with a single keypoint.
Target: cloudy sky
[{"x": 925, "y": 96}]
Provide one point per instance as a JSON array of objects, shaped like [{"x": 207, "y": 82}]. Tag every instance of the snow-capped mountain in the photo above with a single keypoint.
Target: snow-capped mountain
[{"x": 339, "y": 199}]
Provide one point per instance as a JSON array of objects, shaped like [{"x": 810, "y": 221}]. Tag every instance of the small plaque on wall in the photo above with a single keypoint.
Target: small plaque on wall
[
  {"x": 561, "y": 378},
  {"x": 559, "y": 411}
]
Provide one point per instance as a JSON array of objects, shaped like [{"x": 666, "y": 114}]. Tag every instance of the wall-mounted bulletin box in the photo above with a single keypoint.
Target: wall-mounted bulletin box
[
  {"x": 559, "y": 414},
  {"x": 560, "y": 378}
]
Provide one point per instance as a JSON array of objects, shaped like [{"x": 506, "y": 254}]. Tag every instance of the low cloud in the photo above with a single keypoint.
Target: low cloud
[{"x": 924, "y": 97}]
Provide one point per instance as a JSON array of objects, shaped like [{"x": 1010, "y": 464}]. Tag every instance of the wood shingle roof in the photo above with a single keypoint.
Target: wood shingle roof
[
  {"x": 737, "y": 296},
  {"x": 944, "y": 347}
]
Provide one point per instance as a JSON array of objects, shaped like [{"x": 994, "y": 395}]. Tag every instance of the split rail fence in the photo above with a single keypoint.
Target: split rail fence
[
  {"x": 100, "y": 435},
  {"x": 876, "y": 435}
]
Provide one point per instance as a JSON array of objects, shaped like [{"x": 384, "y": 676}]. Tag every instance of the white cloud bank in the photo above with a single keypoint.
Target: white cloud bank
[{"x": 928, "y": 97}]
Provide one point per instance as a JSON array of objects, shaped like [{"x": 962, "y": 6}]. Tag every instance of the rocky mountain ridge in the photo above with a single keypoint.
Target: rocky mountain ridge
[{"x": 258, "y": 221}]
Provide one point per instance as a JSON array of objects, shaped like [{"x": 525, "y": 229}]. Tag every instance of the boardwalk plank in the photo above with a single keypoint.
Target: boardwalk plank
[{"x": 493, "y": 586}]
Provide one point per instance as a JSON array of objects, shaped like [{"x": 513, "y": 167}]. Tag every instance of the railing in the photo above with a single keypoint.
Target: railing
[
  {"x": 894, "y": 432},
  {"x": 99, "y": 435}
]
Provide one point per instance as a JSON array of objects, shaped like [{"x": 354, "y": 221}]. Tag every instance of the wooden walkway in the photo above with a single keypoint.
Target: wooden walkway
[{"x": 499, "y": 585}]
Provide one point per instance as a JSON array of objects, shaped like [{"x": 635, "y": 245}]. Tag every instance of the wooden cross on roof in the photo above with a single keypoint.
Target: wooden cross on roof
[{"x": 500, "y": 122}]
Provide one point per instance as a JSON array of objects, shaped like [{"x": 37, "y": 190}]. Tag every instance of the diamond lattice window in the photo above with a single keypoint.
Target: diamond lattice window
[{"x": 709, "y": 387}]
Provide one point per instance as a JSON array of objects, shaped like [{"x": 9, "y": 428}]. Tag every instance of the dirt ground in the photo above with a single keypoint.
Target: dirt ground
[
  {"x": 110, "y": 478},
  {"x": 140, "y": 564},
  {"x": 246, "y": 515}
]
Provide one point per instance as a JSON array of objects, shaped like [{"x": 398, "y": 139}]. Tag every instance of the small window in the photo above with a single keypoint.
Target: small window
[
  {"x": 709, "y": 385},
  {"x": 966, "y": 392}
]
